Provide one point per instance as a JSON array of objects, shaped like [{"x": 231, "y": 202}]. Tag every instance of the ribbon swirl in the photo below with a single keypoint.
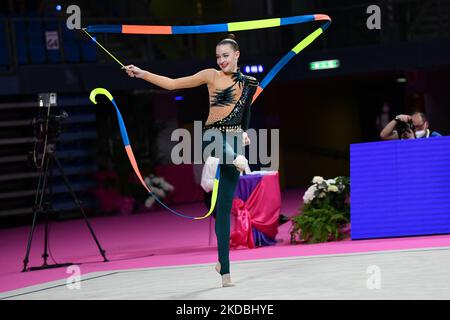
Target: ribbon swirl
[{"x": 131, "y": 157}]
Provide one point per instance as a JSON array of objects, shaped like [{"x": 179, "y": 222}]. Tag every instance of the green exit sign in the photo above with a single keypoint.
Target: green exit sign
[{"x": 325, "y": 64}]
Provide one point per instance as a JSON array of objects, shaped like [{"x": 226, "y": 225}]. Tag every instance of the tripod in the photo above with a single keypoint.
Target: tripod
[{"x": 43, "y": 204}]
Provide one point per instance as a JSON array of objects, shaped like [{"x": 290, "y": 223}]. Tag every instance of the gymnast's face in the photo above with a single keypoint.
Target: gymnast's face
[{"x": 227, "y": 58}]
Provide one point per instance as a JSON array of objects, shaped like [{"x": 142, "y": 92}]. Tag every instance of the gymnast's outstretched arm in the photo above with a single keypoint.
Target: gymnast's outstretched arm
[{"x": 205, "y": 76}]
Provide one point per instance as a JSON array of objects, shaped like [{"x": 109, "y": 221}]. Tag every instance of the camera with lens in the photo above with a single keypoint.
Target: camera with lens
[
  {"x": 404, "y": 127},
  {"x": 47, "y": 125}
]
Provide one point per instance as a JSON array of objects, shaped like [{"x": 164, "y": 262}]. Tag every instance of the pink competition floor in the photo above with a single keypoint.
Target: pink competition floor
[{"x": 158, "y": 239}]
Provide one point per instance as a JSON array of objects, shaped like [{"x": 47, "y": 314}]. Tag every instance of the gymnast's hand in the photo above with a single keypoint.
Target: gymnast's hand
[
  {"x": 134, "y": 72},
  {"x": 245, "y": 139}
]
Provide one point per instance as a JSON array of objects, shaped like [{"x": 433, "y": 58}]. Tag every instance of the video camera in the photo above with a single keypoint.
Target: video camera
[
  {"x": 47, "y": 129},
  {"x": 48, "y": 123}
]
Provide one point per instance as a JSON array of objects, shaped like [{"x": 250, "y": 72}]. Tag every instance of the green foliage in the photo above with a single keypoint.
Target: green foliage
[
  {"x": 325, "y": 212},
  {"x": 319, "y": 225}
]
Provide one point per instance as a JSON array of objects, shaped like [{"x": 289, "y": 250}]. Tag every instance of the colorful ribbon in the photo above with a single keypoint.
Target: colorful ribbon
[
  {"x": 131, "y": 157},
  {"x": 197, "y": 29},
  {"x": 229, "y": 27}
]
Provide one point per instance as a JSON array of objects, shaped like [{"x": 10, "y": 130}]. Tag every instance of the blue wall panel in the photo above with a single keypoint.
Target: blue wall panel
[{"x": 400, "y": 188}]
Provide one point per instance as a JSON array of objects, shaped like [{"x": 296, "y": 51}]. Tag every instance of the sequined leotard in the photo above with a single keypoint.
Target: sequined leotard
[{"x": 228, "y": 114}]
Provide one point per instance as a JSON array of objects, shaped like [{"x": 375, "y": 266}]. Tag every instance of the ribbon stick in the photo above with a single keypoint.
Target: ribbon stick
[
  {"x": 98, "y": 43},
  {"x": 230, "y": 27},
  {"x": 131, "y": 157}
]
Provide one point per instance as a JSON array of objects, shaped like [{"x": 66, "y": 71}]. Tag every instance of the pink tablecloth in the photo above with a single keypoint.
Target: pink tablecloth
[{"x": 260, "y": 211}]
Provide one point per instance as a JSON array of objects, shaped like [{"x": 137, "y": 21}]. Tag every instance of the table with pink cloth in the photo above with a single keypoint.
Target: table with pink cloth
[{"x": 256, "y": 210}]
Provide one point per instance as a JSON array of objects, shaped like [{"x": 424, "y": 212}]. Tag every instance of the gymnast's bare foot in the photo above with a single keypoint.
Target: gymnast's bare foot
[
  {"x": 226, "y": 281},
  {"x": 226, "y": 278}
]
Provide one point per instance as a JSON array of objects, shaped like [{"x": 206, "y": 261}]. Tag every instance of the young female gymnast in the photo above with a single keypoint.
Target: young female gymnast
[{"x": 230, "y": 96}]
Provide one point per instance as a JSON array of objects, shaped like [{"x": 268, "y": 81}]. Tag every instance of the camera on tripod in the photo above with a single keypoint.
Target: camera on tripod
[
  {"x": 47, "y": 128},
  {"x": 47, "y": 125}
]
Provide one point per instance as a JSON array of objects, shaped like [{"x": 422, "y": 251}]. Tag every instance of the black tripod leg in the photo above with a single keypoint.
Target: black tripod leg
[
  {"x": 77, "y": 202},
  {"x": 30, "y": 238},
  {"x": 45, "y": 254},
  {"x": 39, "y": 199},
  {"x": 49, "y": 176}
]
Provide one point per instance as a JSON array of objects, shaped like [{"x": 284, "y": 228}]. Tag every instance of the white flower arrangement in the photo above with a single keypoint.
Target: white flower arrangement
[
  {"x": 325, "y": 212},
  {"x": 321, "y": 187},
  {"x": 317, "y": 180},
  {"x": 159, "y": 186},
  {"x": 310, "y": 194}
]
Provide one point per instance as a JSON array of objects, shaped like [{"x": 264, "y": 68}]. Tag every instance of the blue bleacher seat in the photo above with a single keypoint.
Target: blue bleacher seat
[
  {"x": 4, "y": 60},
  {"x": 89, "y": 51},
  {"x": 69, "y": 35},
  {"x": 36, "y": 48},
  {"x": 72, "y": 52},
  {"x": 21, "y": 42},
  {"x": 36, "y": 41},
  {"x": 22, "y": 55},
  {"x": 37, "y": 53},
  {"x": 71, "y": 46},
  {"x": 4, "y": 54},
  {"x": 36, "y": 38},
  {"x": 35, "y": 26},
  {"x": 54, "y": 56}
]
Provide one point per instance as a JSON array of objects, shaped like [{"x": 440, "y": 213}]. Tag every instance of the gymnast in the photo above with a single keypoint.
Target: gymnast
[{"x": 230, "y": 96}]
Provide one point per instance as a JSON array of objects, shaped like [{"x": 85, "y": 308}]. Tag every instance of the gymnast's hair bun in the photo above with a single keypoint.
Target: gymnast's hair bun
[{"x": 230, "y": 40}]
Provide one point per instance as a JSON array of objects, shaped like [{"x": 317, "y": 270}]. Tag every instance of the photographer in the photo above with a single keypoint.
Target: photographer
[{"x": 408, "y": 127}]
